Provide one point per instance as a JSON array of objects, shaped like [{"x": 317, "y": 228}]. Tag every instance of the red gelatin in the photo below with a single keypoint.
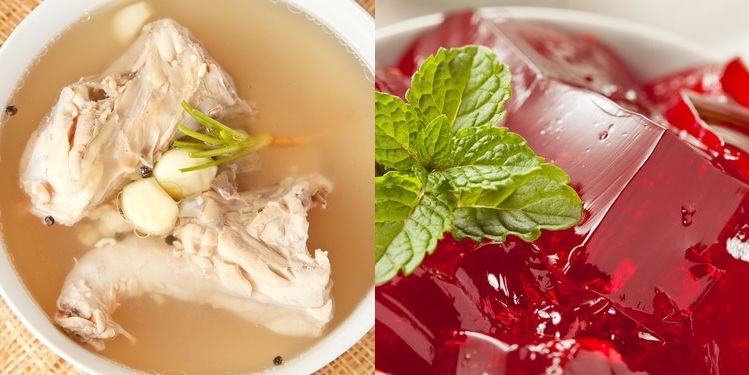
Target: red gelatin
[
  {"x": 391, "y": 80},
  {"x": 534, "y": 50},
  {"x": 703, "y": 80},
  {"x": 636, "y": 287},
  {"x": 735, "y": 81},
  {"x": 710, "y": 105}
]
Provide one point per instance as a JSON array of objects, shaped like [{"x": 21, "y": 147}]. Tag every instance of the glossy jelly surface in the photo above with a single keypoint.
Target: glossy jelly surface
[{"x": 651, "y": 281}]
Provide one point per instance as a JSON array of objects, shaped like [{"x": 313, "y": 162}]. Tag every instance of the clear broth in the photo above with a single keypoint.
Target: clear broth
[{"x": 303, "y": 82}]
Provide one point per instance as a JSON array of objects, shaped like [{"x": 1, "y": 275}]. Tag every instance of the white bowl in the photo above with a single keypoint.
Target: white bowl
[
  {"x": 344, "y": 17},
  {"x": 648, "y": 51}
]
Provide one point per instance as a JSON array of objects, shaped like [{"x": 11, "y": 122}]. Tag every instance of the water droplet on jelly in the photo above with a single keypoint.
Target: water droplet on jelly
[
  {"x": 683, "y": 135},
  {"x": 609, "y": 89},
  {"x": 647, "y": 336},
  {"x": 603, "y": 135},
  {"x": 738, "y": 246},
  {"x": 687, "y": 213},
  {"x": 467, "y": 356},
  {"x": 630, "y": 95},
  {"x": 730, "y": 156}
]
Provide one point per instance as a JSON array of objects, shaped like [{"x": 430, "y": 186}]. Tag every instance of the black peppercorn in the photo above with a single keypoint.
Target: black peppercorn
[
  {"x": 278, "y": 361},
  {"x": 145, "y": 171},
  {"x": 170, "y": 239},
  {"x": 11, "y": 110},
  {"x": 49, "y": 220}
]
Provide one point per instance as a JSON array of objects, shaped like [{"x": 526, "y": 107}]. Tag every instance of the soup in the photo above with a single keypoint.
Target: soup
[{"x": 303, "y": 81}]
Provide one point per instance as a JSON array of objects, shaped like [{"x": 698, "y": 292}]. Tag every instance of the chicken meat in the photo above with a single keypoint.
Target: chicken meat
[
  {"x": 103, "y": 128},
  {"x": 245, "y": 253}
]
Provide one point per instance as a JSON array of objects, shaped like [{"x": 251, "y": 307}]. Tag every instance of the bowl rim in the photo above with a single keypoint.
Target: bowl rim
[
  {"x": 412, "y": 27},
  {"x": 348, "y": 21}
]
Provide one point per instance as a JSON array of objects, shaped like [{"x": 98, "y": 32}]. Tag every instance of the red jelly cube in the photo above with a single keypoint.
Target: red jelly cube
[
  {"x": 534, "y": 50},
  {"x": 649, "y": 195},
  {"x": 703, "y": 80},
  {"x": 710, "y": 105},
  {"x": 735, "y": 81},
  {"x": 392, "y": 80}
]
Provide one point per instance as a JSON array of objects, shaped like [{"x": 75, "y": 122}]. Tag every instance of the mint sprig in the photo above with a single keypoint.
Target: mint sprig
[{"x": 446, "y": 167}]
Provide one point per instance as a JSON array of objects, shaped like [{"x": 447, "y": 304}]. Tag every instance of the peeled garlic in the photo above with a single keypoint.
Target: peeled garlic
[
  {"x": 148, "y": 207},
  {"x": 182, "y": 184},
  {"x": 130, "y": 20}
]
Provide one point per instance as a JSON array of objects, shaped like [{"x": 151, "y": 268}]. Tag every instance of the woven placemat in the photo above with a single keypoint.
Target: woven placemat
[{"x": 21, "y": 353}]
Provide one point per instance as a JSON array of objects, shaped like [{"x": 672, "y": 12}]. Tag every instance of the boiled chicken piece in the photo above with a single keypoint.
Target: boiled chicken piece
[
  {"x": 104, "y": 128},
  {"x": 246, "y": 254}
]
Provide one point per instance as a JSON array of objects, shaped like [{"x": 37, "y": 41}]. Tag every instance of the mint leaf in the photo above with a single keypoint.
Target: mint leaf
[
  {"x": 488, "y": 158},
  {"x": 443, "y": 166},
  {"x": 544, "y": 202},
  {"x": 489, "y": 145},
  {"x": 396, "y": 194},
  {"x": 468, "y": 85},
  {"x": 408, "y": 223},
  {"x": 435, "y": 142},
  {"x": 396, "y": 126}
]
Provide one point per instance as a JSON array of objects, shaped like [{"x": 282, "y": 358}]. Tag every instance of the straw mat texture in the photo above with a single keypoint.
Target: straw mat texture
[{"x": 21, "y": 353}]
